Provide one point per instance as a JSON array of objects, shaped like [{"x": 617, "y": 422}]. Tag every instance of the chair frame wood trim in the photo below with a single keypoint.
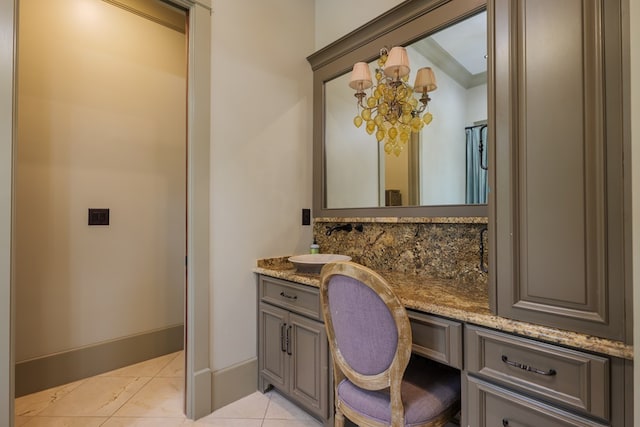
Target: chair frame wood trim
[{"x": 392, "y": 376}]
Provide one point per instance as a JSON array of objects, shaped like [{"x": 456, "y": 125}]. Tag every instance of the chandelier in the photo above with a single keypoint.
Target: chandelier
[{"x": 392, "y": 112}]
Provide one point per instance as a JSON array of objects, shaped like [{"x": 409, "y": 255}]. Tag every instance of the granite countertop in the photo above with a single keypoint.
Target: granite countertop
[{"x": 467, "y": 303}]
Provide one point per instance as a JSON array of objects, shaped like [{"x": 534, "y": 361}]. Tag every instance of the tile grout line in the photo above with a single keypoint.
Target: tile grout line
[
  {"x": 110, "y": 417},
  {"x": 130, "y": 397},
  {"x": 264, "y": 415}
]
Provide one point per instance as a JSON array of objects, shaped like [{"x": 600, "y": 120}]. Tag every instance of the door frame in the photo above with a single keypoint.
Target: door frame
[{"x": 198, "y": 372}]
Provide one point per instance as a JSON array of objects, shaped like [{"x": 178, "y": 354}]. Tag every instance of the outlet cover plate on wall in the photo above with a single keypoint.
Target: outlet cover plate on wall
[
  {"x": 306, "y": 216},
  {"x": 98, "y": 216}
]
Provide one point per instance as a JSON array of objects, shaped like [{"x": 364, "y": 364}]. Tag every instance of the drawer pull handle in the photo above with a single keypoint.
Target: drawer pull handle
[
  {"x": 528, "y": 368},
  {"x": 291, "y": 297}
]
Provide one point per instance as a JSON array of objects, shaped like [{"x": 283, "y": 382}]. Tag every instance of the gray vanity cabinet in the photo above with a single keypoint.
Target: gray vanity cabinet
[
  {"x": 516, "y": 381},
  {"x": 557, "y": 197},
  {"x": 293, "y": 352}
]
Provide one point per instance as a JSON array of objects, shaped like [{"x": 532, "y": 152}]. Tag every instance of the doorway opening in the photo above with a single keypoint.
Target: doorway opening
[{"x": 101, "y": 123}]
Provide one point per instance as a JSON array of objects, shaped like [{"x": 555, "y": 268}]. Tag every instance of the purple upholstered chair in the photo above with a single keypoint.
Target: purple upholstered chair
[{"x": 377, "y": 381}]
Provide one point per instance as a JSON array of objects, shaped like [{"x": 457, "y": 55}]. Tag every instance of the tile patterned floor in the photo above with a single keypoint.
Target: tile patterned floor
[{"x": 148, "y": 394}]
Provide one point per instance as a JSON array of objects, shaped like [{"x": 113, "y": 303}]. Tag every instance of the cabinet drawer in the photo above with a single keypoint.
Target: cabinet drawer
[
  {"x": 491, "y": 406},
  {"x": 571, "y": 378},
  {"x": 301, "y": 299},
  {"x": 436, "y": 338}
]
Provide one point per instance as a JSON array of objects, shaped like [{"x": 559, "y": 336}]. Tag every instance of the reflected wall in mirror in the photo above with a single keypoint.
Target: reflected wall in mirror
[{"x": 445, "y": 163}]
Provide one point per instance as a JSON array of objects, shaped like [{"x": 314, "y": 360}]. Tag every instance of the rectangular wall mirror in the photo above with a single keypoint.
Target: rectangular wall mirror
[{"x": 442, "y": 170}]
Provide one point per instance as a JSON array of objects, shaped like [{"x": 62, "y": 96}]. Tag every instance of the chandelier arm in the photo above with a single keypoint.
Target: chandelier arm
[
  {"x": 360, "y": 96},
  {"x": 420, "y": 110}
]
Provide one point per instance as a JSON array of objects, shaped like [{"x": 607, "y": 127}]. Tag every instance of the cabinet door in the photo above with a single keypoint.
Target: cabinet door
[
  {"x": 309, "y": 368},
  {"x": 556, "y": 204},
  {"x": 272, "y": 354}
]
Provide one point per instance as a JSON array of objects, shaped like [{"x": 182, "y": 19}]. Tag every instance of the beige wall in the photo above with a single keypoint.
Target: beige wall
[
  {"x": 261, "y": 137},
  {"x": 101, "y": 123},
  {"x": 261, "y": 157}
]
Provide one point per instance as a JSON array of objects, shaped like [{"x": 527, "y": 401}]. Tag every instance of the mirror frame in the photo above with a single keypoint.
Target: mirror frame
[{"x": 401, "y": 25}]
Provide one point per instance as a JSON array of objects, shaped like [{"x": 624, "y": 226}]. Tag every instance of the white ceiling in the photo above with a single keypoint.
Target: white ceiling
[{"x": 466, "y": 41}]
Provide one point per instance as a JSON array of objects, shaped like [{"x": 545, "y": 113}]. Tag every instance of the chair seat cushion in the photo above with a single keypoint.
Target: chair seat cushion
[{"x": 428, "y": 390}]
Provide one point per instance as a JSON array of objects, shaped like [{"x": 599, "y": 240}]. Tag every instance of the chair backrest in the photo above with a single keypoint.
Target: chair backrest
[{"x": 367, "y": 326}]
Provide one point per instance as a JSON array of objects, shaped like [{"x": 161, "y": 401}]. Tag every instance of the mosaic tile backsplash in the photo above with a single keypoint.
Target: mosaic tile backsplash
[{"x": 441, "y": 250}]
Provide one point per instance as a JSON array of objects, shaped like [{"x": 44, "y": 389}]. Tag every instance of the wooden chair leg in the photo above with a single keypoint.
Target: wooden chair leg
[{"x": 339, "y": 419}]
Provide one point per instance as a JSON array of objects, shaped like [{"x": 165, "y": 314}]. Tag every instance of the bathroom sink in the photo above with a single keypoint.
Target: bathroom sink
[{"x": 313, "y": 263}]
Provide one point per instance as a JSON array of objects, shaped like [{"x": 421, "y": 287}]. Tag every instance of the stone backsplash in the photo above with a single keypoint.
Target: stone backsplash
[{"x": 439, "y": 248}]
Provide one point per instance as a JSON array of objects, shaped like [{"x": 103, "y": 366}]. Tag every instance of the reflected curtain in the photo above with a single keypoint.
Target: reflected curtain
[{"x": 477, "y": 187}]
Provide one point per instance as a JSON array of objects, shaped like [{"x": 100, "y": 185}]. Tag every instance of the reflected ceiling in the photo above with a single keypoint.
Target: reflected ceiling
[{"x": 460, "y": 50}]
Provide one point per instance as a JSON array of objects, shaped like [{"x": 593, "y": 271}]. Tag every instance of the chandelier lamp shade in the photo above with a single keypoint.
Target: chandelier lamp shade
[{"x": 391, "y": 112}]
